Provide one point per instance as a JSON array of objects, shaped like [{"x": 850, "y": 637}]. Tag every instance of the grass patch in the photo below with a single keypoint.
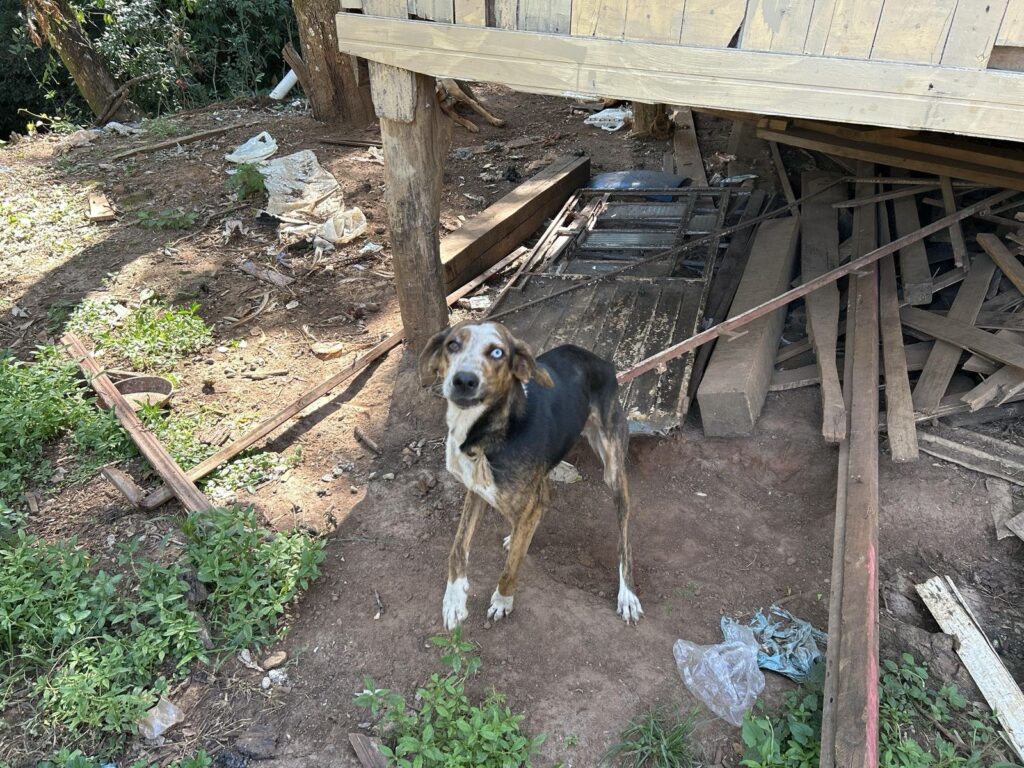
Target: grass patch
[
  {"x": 168, "y": 218},
  {"x": 247, "y": 181},
  {"x": 657, "y": 739},
  {"x": 154, "y": 336},
  {"x": 446, "y": 729},
  {"x": 160, "y": 127},
  {"x": 67, "y": 758},
  {"x": 921, "y": 725},
  {"x": 87, "y": 650}
]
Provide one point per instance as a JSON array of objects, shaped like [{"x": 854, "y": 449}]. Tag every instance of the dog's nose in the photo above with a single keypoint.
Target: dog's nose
[{"x": 465, "y": 383}]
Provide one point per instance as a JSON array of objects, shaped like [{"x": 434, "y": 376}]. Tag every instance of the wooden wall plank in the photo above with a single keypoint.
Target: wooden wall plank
[
  {"x": 506, "y": 13},
  {"x": 843, "y": 28},
  {"x": 656, "y": 21},
  {"x": 436, "y": 10},
  {"x": 599, "y": 18},
  {"x": 712, "y": 23},
  {"x": 913, "y": 30},
  {"x": 471, "y": 12},
  {"x": 1011, "y": 31},
  {"x": 981, "y": 103},
  {"x": 776, "y": 25},
  {"x": 973, "y": 33},
  {"x": 545, "y": 16}
]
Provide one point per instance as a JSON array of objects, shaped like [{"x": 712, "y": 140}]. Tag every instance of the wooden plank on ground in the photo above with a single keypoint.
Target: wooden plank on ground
[
  {"x": 776, "y": 25},
  {"x": 367, "y": 751},
  {"x": 711, "y": 22},
  {"x": 973, "y": 33},
  {"x": 913, "y": 30},
  {"x": 993, "y": 680},
  {"x": 178, "y": 483},
  {"x": 819, "y": 252},
  {"x": 916, "y": 355},
  {"x": 956, "y": 233},
  {"x": 972, "y": 102},
  {"x": 498, "y": 229},
  {"x": 100, "y": 208},
  {"x": 1008, "y": 264},
  {"x": 915, "y": 274},
  {"x": 735, "y": 384},
  {"x": 964, "y": 336},
  {"x": 855, "y": 709},
  {"x": 899, "y": 404},
  {"x": 975, "y": 451},
  {"x": 944, "y": 358},
  {"x": 687, "y": 159}
]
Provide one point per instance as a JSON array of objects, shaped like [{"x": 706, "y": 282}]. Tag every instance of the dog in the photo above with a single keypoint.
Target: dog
[
  {"x": 451, "y": 93},
  {"x": 512, "y": 418}
]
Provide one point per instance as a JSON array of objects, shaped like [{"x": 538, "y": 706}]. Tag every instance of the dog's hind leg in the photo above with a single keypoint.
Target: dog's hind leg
[
  {"x": 523, "y": 528},
  {"x": 453, "y": 609},
  {"x": 607, "y": 431}
]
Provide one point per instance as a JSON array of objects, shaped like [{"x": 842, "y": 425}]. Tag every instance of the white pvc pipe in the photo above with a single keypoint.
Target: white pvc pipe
[{"x": 287, "y": 83}]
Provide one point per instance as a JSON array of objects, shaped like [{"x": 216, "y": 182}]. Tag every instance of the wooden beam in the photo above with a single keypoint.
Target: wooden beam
[
  {"x": 171, "y": 143},
  {"x": 494, "y": 232},
  {"x": 735, "y": 384},
  {"x": 942, "y": 363},
  {"x": 178, "y": 483},
  {"x": 956, "y": 234},
  {"x": 964, "y": 336},
  {"x": 973, "y": 102},
  {"x": 855, "y": 265},
  {"x": 915, "y": 356},
  {"x": 986, "y": 669},
  {"x": 915, "y": 273},
  {"x": 819, "y": 252},
  {"x": 687, "y": 159},
  {"x": 1008, "y": 263}
]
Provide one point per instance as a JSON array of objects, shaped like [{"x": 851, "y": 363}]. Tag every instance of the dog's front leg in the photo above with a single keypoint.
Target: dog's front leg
[
  {"x": 453, "y": 609},
  {"x": 523, "y": 528}
]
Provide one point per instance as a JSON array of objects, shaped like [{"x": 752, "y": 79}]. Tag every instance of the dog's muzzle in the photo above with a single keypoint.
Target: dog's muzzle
[{"x": 464, "y": 389}]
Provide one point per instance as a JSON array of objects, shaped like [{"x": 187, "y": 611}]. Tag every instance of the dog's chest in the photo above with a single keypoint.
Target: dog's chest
[{"x": 472, "y": 469}]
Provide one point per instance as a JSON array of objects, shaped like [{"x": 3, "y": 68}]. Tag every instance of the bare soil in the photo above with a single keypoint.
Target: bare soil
[{"x": 720, "y": 526}]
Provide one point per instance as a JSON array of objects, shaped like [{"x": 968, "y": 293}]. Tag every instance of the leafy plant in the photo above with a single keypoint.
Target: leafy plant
[
  {"x": 160, "y": 127},
  {"x": 252, "y": 573},
  {"x": 168, "y": 218},
  {"x": 247, "y": 181},
  {"x": 656, "y": 739},
  {"x": 447, "y": 730},
  {"x": 920, "y": 726},
  {"x": 154, "y": 336}
]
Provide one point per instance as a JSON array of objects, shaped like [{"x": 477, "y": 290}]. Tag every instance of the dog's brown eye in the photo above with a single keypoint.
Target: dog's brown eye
[{"x": 453, "y": 346}]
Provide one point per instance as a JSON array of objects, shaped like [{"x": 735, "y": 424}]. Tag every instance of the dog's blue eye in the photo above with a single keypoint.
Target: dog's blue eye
[{"x": 497, "y": 354}]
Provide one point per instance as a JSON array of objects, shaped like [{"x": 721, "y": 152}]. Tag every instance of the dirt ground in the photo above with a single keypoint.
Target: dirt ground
[{"x": 721, "y": 526}]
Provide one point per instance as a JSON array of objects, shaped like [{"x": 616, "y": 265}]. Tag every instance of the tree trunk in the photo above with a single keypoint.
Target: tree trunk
[
  {"x": 57, "y": 23},
  {"x": 328, "y": 76}
]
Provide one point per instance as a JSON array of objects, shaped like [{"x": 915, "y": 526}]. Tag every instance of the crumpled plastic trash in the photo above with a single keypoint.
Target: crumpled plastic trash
[
  {"x": 160, "y": 719},
  {"x": 259, "y": 147},
  {"x": 81, "y": 138},
  {"x": 297, "y": 183},
  {"x": 344, "y": 226},
  {"x": 121, "y": 129},
  {"x": 725, "y": 676},
  {"x": 612, "y": 119},
  {"x": 788, "y": 645}
]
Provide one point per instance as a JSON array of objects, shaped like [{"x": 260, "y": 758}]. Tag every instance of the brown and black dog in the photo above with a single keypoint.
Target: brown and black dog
[{"x": 511, "y": 419}]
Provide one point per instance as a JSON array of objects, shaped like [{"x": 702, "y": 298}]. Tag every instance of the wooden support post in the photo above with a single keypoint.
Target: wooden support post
[
  {"x": 735, "y": 385},
  {"x": 944, "y": 357},
  {"x": 650, "y": 120},
  {"x": 415, "y": 138},
  {"x": 819, "y": 252},
  {"x": 685, "y": 158},
  {"x": 854, "y": 712}
]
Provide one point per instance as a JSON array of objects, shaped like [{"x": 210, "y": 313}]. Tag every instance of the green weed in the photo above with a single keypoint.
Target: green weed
[
  {"x": 168, "y": 218},
  {"x": 247, "y": 181},
  {"x": 657, "y": 739},
  {"x": 160, "y": 127},
  {"x": 920, "y": 726},
  {"x": 446, "y": 729},
  {"x": 154, "y": 336},
  {"x": 67, "y": 758}
]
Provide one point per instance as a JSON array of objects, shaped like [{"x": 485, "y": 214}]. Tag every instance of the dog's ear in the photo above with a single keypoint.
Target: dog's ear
[
  {"x": 524, "y": 365},
  {"x": 430, "y": 358}
]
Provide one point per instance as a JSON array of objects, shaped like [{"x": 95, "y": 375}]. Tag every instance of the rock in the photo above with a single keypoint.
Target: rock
[
  {"x": 902, "y": 607},
  {"x": 275, "y": 660},
  {"x": 790, "y": 561},
  {"x": 229, "y": 758},
  {"x": 265, "y": 683},
  {"x": 388, "y": 476},
  {"x": 259, "y": 743},
  {"x": 277, "y": 676}
]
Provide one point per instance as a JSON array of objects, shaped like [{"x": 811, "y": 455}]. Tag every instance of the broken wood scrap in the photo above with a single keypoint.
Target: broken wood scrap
[
  {"x": 1016, "y": 526},
  {"x": 1000, "y": 500},
  {"x": 178, "y": 484},
  {"x": 990, "y": 675},
  {"x": 170, "y": 143},
  {"x": 100, "y": 208},
  {"x": 956, "y": 233},
  {"x": 819, "y": 252},
  {"x": 686, "y": 158},
  {"x": 978, "y": 364},
  {"x": 996, "y": 389},
  {"x": 1008, "y": 263},
  {"x": 899, "y": 403},
  {"x": 934, "y": 380},
  {"x": 734, "y": 323},
  {"x": 892, "y": 194},
  {"x": 915, "y": 273},
  {"x": 964, "y": 336},
  {"x": 163, "y": 494},
  {"x": 367, "y": 751},
  {"x": 735, "y": 383},
  {"x": 998, "y": 320},
  {"x": 974, "y": 451},
  {"x": 265, "y": 274},
  {"x": 916, "y": 356},
  {"x": 780, "y": 169}
]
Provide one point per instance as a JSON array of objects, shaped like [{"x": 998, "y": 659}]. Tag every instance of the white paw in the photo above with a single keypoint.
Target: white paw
[
  {"x": 506, "y": 542},
  {"x": 453, "y": 609},
  {"x": 629, "y": 606},
  {"x": 501, "y": 606}
]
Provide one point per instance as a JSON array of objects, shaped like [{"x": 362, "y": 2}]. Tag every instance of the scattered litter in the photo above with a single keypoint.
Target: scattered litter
[
  {"x": 161, "y": 718},
  {"x": 366, "y": 440},
  {"x": 258, "y": 148},
  {"x": 344, "y": 227},
  {"x": 100, "y": 208},
  {"x": 380, "y": 606},
  {"x": 245, "y": 657},
  {"x": 233, "y": 227},
  {"x": 121, "y": 129},
  {"x": 81, "y": 138},
  {"x": 564, "y": 473},
  {"x": 268, "y": 275},
  {"x": 725, "y": 676},
  {"x": 612, "y": 119},
  {"x": 291, "y": 304},
  {"x": 475, "y": 198},
  {"x": 475, "y": 302},
  {"x": 370, "y": 247},
  {"x": 297, "y": 183},
  {"x": 463, "y": 153},
  {"x": 18, "y": 311},
  {"x": 373, "y": 155},
  {"x": 788, "y": 645}
]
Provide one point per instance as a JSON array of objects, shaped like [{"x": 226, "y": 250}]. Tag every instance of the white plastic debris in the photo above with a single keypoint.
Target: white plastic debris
[
  {"x": 371, "y": 247},
  {"x": 612, "y": 119},
  {"x": 344, "y": 227},
  {"x": 297, "y": 183},
  {"x": 565, "y": 473},
  {"x": 259, "y": 147},
  {"x": 725, "y": 676},
  {"x": 287, "y": 83},
  {"x": 81, "y": 138},
  {"x": 121, "y": 129},
  {"x": 160, "y": 719}
]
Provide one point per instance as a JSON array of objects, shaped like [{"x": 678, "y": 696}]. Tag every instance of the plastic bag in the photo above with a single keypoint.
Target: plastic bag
[
  {"x": 344, "y": 226},
  {"x": 297, "y": 183},
  {"x": 787, "y": 645},
  {"x": 725, "y": 676},
  {"x": 610, "y": 119},
  {"x": 160, "y": 719},
  {"x": 259, "y": 147}
]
